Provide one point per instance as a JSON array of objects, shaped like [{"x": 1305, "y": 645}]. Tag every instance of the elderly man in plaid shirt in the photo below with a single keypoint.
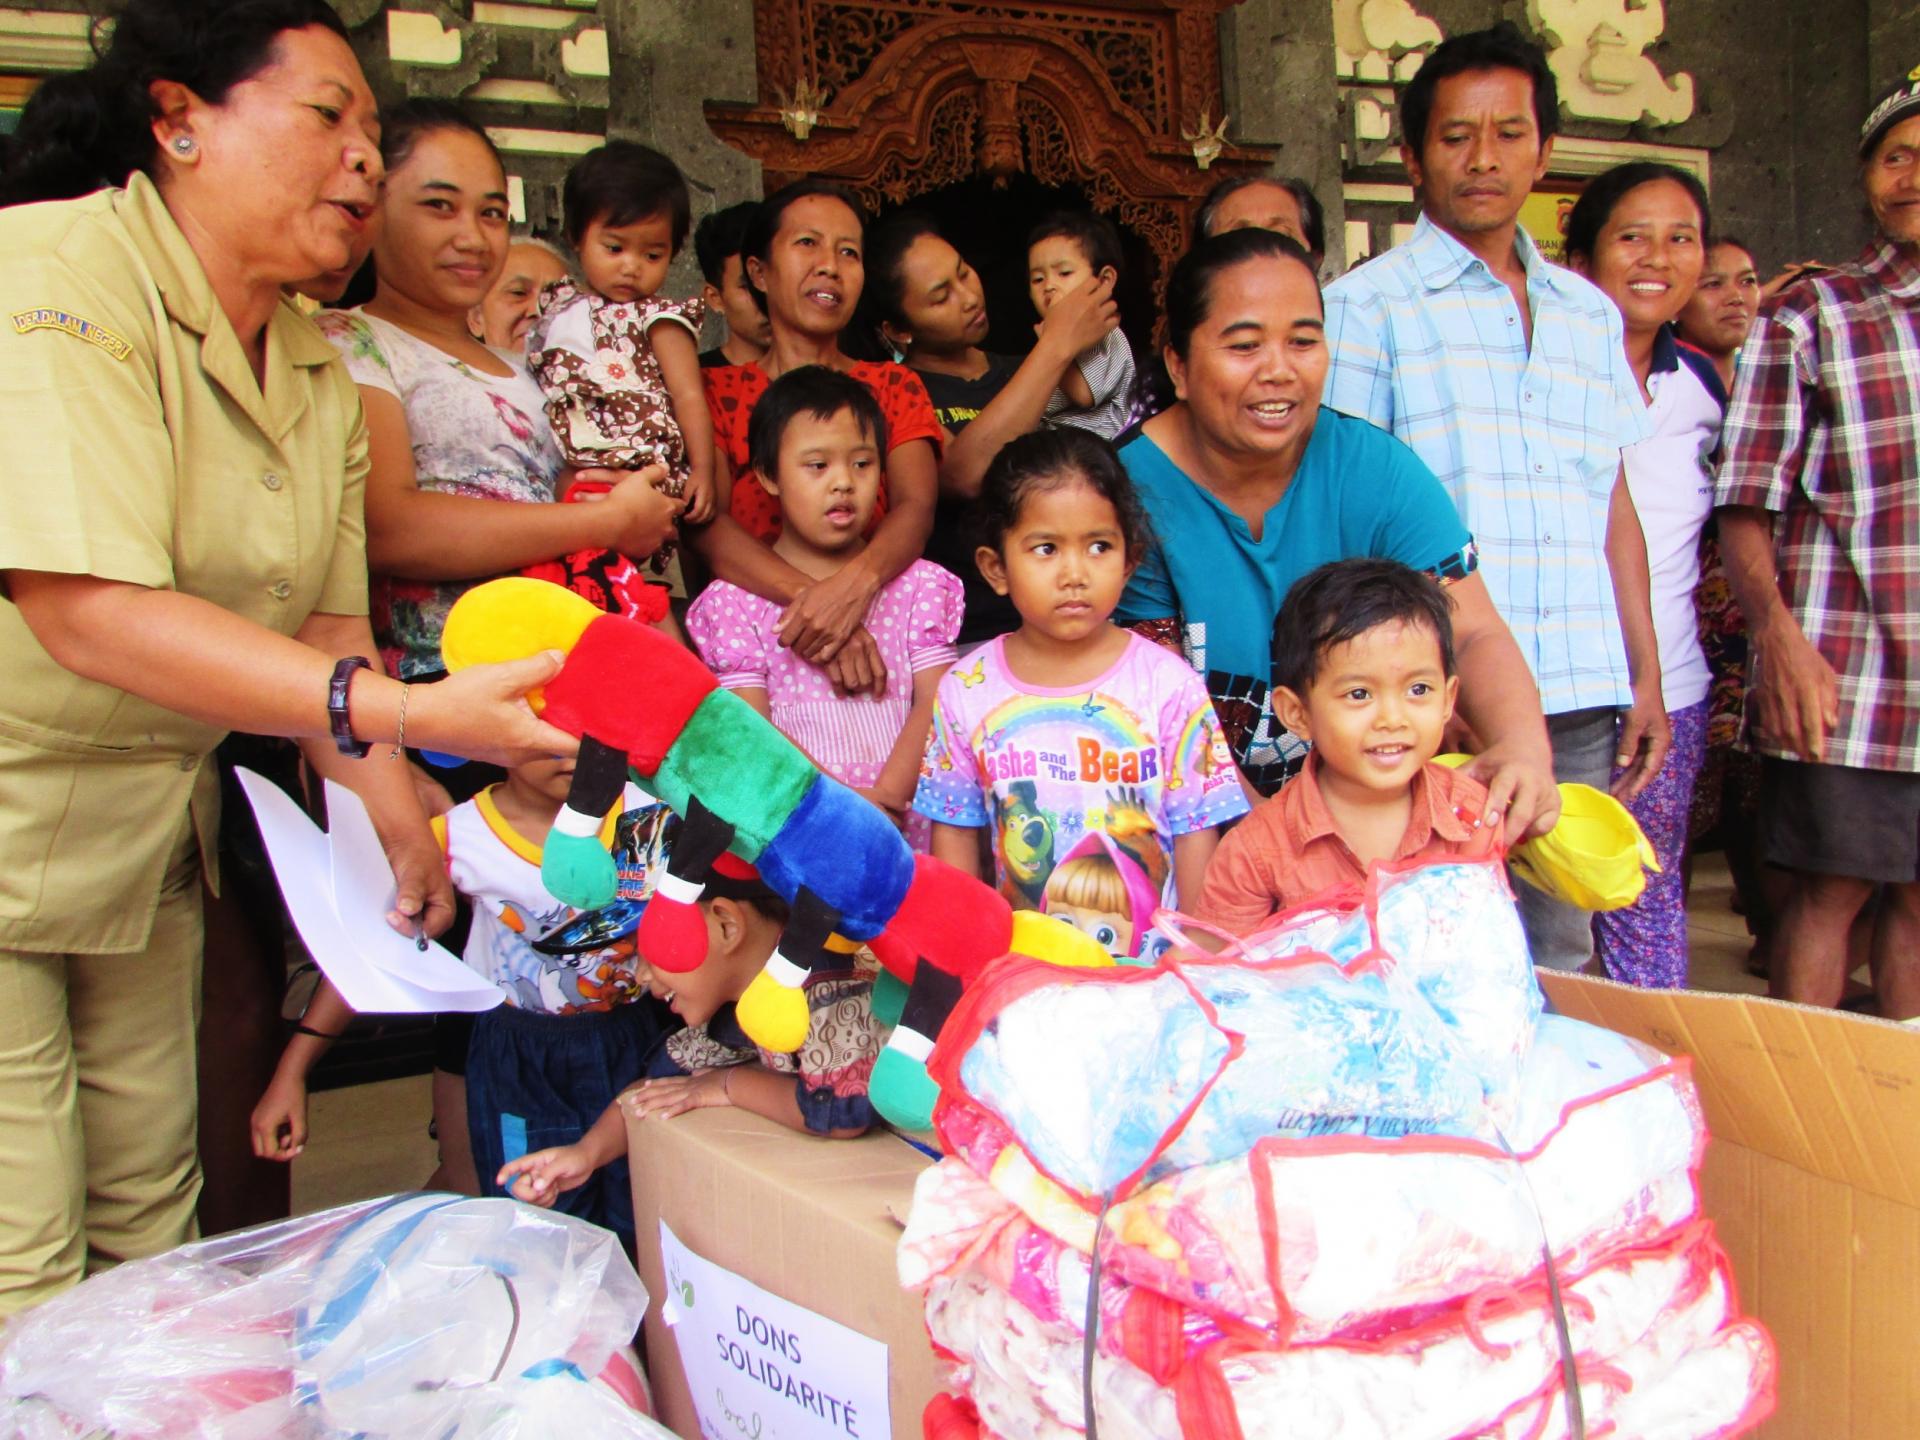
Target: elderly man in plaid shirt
[{"x": 1820, "y": 527}]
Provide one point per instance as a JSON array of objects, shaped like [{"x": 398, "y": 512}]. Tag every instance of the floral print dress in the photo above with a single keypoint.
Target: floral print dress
[{"x": 473, "y": 434}]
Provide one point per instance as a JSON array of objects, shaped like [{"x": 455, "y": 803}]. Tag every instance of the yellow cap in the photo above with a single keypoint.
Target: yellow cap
[{"x": 1595, "y": 856}]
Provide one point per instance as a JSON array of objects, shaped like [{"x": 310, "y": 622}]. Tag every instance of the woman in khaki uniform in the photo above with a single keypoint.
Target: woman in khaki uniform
[{"x": 181, "y": 553}]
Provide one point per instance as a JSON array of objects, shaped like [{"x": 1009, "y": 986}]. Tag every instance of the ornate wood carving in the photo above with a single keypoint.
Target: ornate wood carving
[{"x": 922, "y": 94}]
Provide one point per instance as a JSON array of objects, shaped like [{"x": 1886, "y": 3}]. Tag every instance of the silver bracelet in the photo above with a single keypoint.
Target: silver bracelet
[{"x": 400, "y": 731}]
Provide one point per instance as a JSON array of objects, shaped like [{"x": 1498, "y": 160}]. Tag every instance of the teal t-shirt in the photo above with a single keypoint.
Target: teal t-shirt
[{"x": 1358, "y": 494}]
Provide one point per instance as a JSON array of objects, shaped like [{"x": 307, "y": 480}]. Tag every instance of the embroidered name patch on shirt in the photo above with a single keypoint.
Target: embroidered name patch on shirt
[{"x": 74, "y": 325}]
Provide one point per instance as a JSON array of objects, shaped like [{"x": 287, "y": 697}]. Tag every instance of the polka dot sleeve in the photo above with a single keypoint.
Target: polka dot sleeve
[
  {"x": 934, "y": 620},
  {"x": 732, "y": 631}
]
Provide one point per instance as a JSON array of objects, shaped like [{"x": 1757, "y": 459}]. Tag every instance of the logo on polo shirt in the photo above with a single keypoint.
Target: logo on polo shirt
[{"x": 77, "y": 326}]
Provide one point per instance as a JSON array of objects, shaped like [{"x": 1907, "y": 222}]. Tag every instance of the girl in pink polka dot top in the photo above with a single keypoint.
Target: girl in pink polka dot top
[{"x": 816, "y": 442}]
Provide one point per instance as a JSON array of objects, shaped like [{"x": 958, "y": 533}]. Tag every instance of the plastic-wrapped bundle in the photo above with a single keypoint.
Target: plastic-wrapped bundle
[
  {"x": 1137, "y": 1074},
  {"x": 420, "y": 1314},
  {"x": 1311, "y": 1238},
  {"x": 1452, "y": 930},
  {"x": 959, "y": 1223},
  {"x": 1333, "y": 1176},
  {"x": 1658, "y": 1352}
]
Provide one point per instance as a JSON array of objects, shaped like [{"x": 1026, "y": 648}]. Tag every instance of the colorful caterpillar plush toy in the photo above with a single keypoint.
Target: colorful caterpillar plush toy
[{"x": 640, "y": 703}]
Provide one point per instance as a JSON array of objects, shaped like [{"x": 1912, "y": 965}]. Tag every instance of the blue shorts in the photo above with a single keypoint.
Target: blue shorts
[{"x": 536, "y": 1081}]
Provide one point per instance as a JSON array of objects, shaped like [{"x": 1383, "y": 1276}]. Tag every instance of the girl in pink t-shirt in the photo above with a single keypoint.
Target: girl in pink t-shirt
[
  {"x": 1090, "y": 755},
  {"x": 815, "y": 442}
]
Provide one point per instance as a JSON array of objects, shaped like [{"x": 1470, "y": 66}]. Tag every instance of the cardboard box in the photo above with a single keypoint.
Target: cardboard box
[
  {"x": 813, "y": 1221},
  {"x": 1813, "y": 1181}
]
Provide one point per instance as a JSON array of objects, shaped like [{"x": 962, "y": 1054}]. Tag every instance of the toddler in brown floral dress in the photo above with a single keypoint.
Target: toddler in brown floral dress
[{"x": 622, "y": 388}]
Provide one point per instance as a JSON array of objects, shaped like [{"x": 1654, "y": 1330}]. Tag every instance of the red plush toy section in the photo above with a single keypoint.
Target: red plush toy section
[
  {"x": 949, "y": 919},
  {"x": 629, "y": 686}
]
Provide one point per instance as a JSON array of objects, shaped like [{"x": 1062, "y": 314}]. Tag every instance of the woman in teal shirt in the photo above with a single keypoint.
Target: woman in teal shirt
[{"x": 1250, "y": 483}]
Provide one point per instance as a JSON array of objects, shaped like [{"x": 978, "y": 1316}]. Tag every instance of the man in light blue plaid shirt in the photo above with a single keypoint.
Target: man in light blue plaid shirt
[{"x": 1509, "y": 377}]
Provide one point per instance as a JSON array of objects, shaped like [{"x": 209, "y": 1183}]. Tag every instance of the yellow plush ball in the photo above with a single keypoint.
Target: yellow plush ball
[
  {"x": 511, "y": 619},
  {"x": 1049, "y": 938},
  {"x": 773, "y": 1016}
]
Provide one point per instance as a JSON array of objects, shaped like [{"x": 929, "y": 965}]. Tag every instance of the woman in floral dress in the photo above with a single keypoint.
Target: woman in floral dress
[{"x": 464, "y": 469}]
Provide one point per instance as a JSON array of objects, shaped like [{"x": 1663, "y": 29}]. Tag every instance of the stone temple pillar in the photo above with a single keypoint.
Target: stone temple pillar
[{"x": 1278, "y": 77}]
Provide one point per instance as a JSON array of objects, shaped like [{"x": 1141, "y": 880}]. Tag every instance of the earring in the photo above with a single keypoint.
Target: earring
[{"x": 184, "y": 147}]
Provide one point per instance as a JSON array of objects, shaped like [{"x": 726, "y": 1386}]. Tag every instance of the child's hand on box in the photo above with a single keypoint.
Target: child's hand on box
[
  {"x": 538, "y": 1178},
  {"x": 675, "y": 1094},
  {"x": 279, "y": 1121}
]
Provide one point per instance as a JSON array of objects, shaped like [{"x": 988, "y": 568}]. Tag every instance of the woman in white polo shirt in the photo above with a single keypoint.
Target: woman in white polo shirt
[{"x": 1639, "y": 232}]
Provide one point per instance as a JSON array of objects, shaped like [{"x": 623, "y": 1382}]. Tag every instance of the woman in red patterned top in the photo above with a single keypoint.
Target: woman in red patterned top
[{"x": 802, "y": 257}]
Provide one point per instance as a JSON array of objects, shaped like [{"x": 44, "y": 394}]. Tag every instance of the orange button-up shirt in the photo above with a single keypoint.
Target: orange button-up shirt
[{"x": 1289, "y": 849}]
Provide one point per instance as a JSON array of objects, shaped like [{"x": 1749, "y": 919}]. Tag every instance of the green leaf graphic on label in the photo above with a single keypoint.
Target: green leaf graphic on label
[{"x": 686, "y": 1293}]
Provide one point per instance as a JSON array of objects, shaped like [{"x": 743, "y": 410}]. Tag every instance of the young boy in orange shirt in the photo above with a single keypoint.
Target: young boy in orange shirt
[{"x": 1362, "y": 667}]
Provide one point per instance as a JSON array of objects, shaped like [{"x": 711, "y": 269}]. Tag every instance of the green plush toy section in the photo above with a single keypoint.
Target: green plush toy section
[
  {"x": 742, "y": 769},
  {"x": 578, "y": 870},
  {"x": 902, "y": 1091}
]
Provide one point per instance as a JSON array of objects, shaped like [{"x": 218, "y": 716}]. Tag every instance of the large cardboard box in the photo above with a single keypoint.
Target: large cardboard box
[
  {"x": 1812, "y": 1177},
  {"x": 1813, "y": 1180},
  {"x": 813, "y": 1221}
]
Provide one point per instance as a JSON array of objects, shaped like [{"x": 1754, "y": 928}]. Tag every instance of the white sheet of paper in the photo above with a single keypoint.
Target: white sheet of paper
[
  {"x": 441, "y": 979},
  {"x": 761, "y": 1365},
  {"x": 377, "y": 979}
]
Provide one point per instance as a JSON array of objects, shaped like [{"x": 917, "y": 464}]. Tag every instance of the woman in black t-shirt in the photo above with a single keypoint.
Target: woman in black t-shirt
[{"x": 926, "y": 304}]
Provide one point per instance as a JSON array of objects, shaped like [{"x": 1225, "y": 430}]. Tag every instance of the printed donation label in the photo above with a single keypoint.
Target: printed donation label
[{"x": 763, "y": 1368}]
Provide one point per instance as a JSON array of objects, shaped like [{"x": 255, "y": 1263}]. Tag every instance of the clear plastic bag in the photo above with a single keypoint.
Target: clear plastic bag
[{"x": 419, "y": 1314}]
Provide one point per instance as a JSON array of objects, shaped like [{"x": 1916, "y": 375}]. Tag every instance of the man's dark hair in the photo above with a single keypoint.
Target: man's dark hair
[
  {"x": 1344, "y": 600},
  {"x": 1501, "y": 48},
  {"x": 1313, "y": 217},
  {"x": 1094, "y": 234},
  {"x": 808, "y": 390},
  {"x": 622, "y": 183},
  {"x": 720, "y": 237}
]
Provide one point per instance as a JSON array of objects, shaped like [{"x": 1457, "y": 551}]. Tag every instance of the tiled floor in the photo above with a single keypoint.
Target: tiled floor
[{"x": 372, "y": 1139}]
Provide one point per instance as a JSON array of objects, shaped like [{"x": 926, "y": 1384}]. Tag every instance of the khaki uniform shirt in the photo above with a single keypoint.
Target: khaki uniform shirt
[{"x": 140, "y": 448}]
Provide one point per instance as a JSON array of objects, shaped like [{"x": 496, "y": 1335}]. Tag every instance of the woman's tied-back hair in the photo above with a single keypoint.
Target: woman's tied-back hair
[
  {"x": 404, "y": 125},
  {"x": 812, "y": 390},
  {"x": 1190, "y": 287},
  {"x": 1051, "y": 460},
  {"x": 622, "y": 183},
  {"x": 1605, "y": 192},
  {"x": 1342, "y": 601},
  {"x": 94, "y": 128},
  {"x": 758, "y": 243},
  {"x": 884, "y": 298}
]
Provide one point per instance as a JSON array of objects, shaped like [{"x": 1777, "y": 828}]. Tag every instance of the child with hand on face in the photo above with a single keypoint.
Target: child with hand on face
[
  {"x": 1363, "y": 668},
  {"x": 578, "y": 1023},
  {"x": 820, "y": 1089},
  {"x": 619, "y": 362},
  {"x": 817, "y": 442},
  {"x": 1065, "y": 251},
  {"x": 1093, "y": 755}
]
